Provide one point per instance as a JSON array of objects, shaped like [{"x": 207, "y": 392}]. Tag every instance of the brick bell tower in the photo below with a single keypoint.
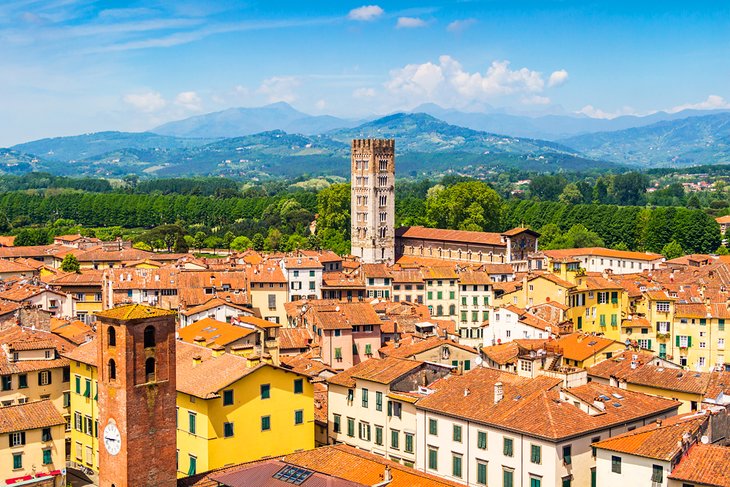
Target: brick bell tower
[
  {"x": 137, "y": 390},
  {"x": 372, "y": 210}
]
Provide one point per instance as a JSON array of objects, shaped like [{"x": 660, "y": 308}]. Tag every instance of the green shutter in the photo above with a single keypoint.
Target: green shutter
[
  {"x": 368, "y": 349},
  {"x": 482, "y": 473},
  {"x": 689, "y": 341},
  {"x": 649, "y": 344},
  {"x": 409, "y": 443},
  {"x": 433, "y": 460},
  {"x": 193, "y": 466},
  {"x": 676, "y": 340},
  {"x": 456, "y": 466},
  {"x": 379, "y": 435},
  {"x": 508, "y": 478},
  {"x": 47, "y": 459}
]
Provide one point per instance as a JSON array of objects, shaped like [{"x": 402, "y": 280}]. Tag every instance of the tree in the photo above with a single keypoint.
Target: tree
[
  {"x": 577, "y": 237},
  {"x": 214, "y": 243},
  {"x": 722, "y": 250},
  {"x": 274, "y": 239},
  {"x": 471, "y": 205},
  {"x": 165, "y": 236},
  {"x": 672, "y": 250},
  {"x": 333, "y": 209},
  {"x": 571, "y": 195},
  {"x": 629, "y": 188},
  {"x": 199, "y": 240},
  {"x": 228, "y": 239},
  {"x": 32, "y": 236},
  {"x": 547, "y": 187},
  {"x": 70, "y": 263},
  {"x": 258, "y": 242},
  {"x": 241, "y": 243},
  {"x": 693, "y": 201},
  {"x": 548, "y": 234}
]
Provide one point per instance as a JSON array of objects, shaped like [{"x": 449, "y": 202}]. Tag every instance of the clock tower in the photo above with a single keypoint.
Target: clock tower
[{"x": 137, "y": 391}]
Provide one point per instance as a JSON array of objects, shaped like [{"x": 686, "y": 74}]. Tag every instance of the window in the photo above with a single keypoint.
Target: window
[
  {"x": 112, "y": 369},
  {"x": 7, "y": 382},
  {"x": 17, "y": 461},
  {"x": 46, "y": 434},
  {"x": 535, "y": 453},
  {"x": 657, "y": 474},
  {"x": 364, "y": 431},
  {"x": 457, "y": 433},
  {"x": 535, "y": 481},
  {"x": 409, "y": 443},
  {"x": 364, "y": 398},
  {"x": 44, "y": 377},
  {"x": 433, "y": 427},
  {"x": 482, "y": 440},
  {"x": 338, "y": 354},
  {"x": 615, "y": 464},
  {"x": 508, "y": 447},
  {"x": 394, "y": 409},
  {"x": 662, "y": 306},
  {"x": 77, "y": 381},
  {"x": 17, "y": 438},
  {"x": 228, "y": 397},
  {"x": 481, "y": 473},
  {"x": 149, "y": 337},
  {"x": 378, "y": 435},
  {"x": 149, "y": 369},
  {"x": 298, "y": 386},
  {"x": 394, "y": 437},
  {"x": 227, "y": 430},
  {"x": 337, "y": 423},
  {"x": 265, "y": 391},
  {"x": 433, "y": 458},
  {"x": 456, "y": 465},
  {"x": 192, "y": 470},
  {"x": 111, "y": 336},
  {"x": 265, "y": 423},
  {"x": 567, "y": 457},
  {"x": 378, "y": 401},
  {"x": 368, "y": 349},
  {"x": 350, "y": 427},
  {"x": 191, "y": 422},
  {"x": 508, "y": 478},
  {"x": 47, "y": 457},
  {"x": 350, "y": 395}
]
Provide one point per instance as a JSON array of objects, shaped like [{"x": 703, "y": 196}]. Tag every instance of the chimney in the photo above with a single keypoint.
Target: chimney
[
  {"x": 197, "y": 360},
  {"x": 218, "y": 350},
  {"x": 387, "y": 477},
  {"x": 658, "y": 423},
  {"x": 199, "y": 340},
  {"x": 466, "y": 392},
  {"x": 498, "y": 392}
]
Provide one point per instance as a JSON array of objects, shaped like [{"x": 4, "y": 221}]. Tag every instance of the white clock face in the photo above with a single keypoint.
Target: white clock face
[{"x": 112, "y": 439}]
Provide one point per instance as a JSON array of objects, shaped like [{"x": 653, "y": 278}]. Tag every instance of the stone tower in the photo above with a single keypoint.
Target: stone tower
[
  {"x": 373, "y": 200},
  {"x": 137, "y": 391}
]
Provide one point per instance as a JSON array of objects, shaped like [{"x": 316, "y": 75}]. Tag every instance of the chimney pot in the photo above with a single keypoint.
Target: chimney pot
[{"x": 498, "y": 392}]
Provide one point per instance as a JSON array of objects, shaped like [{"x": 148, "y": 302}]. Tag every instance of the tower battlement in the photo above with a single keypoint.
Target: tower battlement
[{"x": 373, "y": 144}]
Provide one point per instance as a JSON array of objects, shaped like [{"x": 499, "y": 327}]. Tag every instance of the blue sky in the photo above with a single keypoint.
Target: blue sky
[{"x": 74, "y": 66}]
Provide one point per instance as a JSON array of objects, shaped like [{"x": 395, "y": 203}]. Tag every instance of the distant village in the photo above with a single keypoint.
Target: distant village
[{"x": 427, "y": 357}]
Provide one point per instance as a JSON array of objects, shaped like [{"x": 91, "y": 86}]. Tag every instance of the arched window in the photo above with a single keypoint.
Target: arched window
[
  {"x": 149, "y": 337},
  {"x": 149, "y": 369},
  {"x": 112, "y": 369},
  {"x": 439, "y": 310},
  {"x": 112, "y": 336}
]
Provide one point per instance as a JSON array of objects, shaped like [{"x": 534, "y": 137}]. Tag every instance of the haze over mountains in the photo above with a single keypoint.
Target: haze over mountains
[{"x": 277, "y": 140}]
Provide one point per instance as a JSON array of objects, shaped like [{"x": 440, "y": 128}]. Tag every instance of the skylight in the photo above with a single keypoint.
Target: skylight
[{"x": 293, "y": 475}]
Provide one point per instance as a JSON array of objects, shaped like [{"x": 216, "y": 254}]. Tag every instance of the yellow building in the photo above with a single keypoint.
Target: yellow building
[
  {"x": 597, "y": 305},
  {"x": 698, "y": 335},
  {"x": 84, "y": 408},
  {"x": 232, "y": 409},
  {"x": 221, "y": 409},
  {"x": 32, "y": 445}
]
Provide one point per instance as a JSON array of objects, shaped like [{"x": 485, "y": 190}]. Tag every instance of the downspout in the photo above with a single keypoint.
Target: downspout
[{"x": 522, "y": 459}]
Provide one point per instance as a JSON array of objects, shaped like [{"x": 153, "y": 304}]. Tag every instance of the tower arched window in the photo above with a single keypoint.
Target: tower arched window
[
  {"x": 112, "y": 369},
  {"x": 111, "y": 336},
  {"x": 149, "y": 337},
  {"x": 149, "y": 369}
]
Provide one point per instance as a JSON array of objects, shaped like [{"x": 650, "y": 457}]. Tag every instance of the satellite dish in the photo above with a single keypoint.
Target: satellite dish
[
  {"x": 478, "y": 360},
  {"x": 705, "y": 440}
]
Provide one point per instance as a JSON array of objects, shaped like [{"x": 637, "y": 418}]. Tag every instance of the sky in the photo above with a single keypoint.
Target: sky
[{"x": 77, "y": 66}]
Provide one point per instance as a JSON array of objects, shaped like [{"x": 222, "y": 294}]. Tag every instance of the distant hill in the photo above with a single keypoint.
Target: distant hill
[
  {"x": 237, "y": 122},
  {"x": 425, "y": 145},
  {"x": 79, "y": 147},
  {"x": 689, "y": 141},
  {"x": 548, "y": 127}
]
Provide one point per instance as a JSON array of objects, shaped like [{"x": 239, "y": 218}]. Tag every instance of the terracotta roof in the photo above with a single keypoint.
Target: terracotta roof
[
  {"x": 579, "y": 346},
  {"x": 376, "y": 270},
  {"x": 603, "y": 252},
  {"x": 619, "y": 366},
  {"x": 502, "y": 354},
  {"x": 519, "y": 230},
  {"x": 462, "y": 236},
  {"x": 440, "y": 272},
  {"x": 306, "y": 363},
  {"x": 213, "y": 302},
  {"x": 475, "y": 277},
  {"x": 531, "y": 320},
  {"x": 134, "y": 312},
  {"x": 266, "y": 273},
  {"x": 86, "y": 353},
  {"x": 9, "y": 266},
  {"x": 29, "y": 416},
  {"x": 258, "y": 322},
  {"x": 333, "y": 315},
  {"x": 407, "y": 276},
  {"x": 656, "y": 440},
  {"x": 723, "y": 219},
  {"x": 295, "y": 338},
  {"x": 87, "y": 277},
  {"x": 22, "y": 337},
  {"x": 341, "y": 280},
  {"x": 7, "y": 240},
  {"x": 302, "y": 263},
  {"x": 20, "y": 292},
  {"x": 213, "y": 332},
  {"x": 719, "y": 384},
  {"x": 409, "y": 348},
  {"x": 690, "y": 310},
  {"x": 708, "y": 465},
  {"x": 382, "y": 371},
  {"x": 74, "y": 331},
  {"x": 672, "y": 379}
]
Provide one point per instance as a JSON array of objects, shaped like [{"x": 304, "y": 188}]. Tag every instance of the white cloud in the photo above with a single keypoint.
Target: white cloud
[
  {"x": 279, "y": 88},
  {"x": 365, "y": 13},
  {"x": 410, "y": 22},
  {"x": 189, "y": 100},
  {"x": 148, "y": 102},
  {"x": 364, "y": 93},
  {"x": 448, "y": 84},
  {"x": 593, "y": 112},
  {"x": 557, "y": 78},
  {"x": 713, "y": 102},
  {"x": 459, "y": 26}
]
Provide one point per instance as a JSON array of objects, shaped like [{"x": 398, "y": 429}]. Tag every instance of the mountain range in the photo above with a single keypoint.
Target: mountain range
[{"x": 277, "y": 140}]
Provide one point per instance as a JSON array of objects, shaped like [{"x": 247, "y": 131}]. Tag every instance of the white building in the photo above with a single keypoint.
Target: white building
[
  {"x": 303, "y": 277},
  {"x": 599, "y": 259},
  {"x": 371, "y": 405},
  {"x": 475, "y": 299},
  {"x": 510, "y": 323},
  {"x": 488, "y": 427}
]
